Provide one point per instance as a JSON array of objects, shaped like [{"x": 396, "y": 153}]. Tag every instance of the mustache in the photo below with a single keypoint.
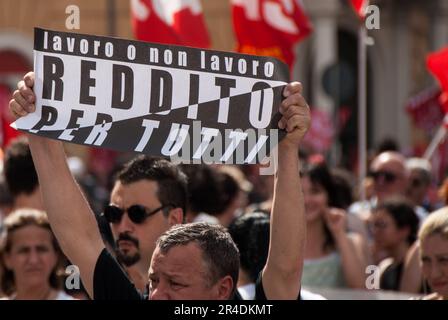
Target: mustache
[{"x": 127, "y": 237}]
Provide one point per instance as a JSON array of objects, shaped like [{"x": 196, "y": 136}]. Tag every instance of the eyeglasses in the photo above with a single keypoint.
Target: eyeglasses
[
  {"x": 136, "y": 213},
  {"x": 387, "y": 176}
]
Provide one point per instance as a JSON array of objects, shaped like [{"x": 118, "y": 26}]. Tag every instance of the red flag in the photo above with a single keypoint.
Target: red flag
[
  {"x": 178, "y": 22},
  {"x": 426, "y": 109},
  {"x": 443, "y": 100},
  {"x": 437, "y": 63},
  {"x": 270, "y": 27},
  {"x": 360, "y": 7}
]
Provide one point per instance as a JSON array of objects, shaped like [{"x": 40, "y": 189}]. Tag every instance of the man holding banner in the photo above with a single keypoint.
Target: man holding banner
[
  {"x": 151, "y": 98},
  {"x": 75, "y": 227}
]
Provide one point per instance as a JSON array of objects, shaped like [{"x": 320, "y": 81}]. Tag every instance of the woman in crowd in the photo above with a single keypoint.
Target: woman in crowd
[
  {"x": 333, "y": 257},
  {"x": 30, "y": 258},
  {"x": 433, "y": 238},
  {"x": 412, "y": 279},
  {"x": 394, "y": 229}
]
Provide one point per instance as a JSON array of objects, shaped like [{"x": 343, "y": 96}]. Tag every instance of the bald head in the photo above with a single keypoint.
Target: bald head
[{"x": 390, "y": 174}]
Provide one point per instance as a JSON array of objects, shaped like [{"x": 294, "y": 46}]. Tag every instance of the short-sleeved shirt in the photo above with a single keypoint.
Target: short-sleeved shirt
[
  {"x": 110, "y": 282},
  {"x": 324, "y": 272}
]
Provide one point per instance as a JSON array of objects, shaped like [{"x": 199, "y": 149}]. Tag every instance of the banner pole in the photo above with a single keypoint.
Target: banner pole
[
  {"x": 362, "y": 108},
  {"x": 438, "y": 138}
]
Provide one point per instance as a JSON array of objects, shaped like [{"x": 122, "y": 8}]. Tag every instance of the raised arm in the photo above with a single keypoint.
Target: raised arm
[
  {"x": 351, "y": 248},
  {"x": 70, "y": 216},
  {"x": 283, "y": 270}
]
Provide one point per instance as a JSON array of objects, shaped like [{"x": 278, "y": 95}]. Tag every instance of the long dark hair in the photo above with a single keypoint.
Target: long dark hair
[
  {"x": 319, "y": 174},
  {"x": 16, "y": 220}
]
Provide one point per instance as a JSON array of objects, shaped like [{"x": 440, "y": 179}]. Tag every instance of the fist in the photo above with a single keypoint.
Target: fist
[
  {"x": 296, "y": 118},
  {"x": 24, "y": 97},
  {"x": 336, "y": 221}
]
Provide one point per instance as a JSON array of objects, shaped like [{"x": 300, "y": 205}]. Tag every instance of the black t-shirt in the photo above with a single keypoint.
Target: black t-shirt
[{"x": 110, "y": 282}]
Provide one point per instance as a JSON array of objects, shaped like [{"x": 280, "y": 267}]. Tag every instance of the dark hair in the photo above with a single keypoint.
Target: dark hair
[
  {"x": 5, "y": 196},
  {"x": 203, "y": 188},
  {"x": 219, "y": 252},
  {"x": 209, "y": 190},
  {"x": 343, "y": 187},
  {"x": 320, "y": 174},
  {"x": 230, "y": 189},
  {"x": 16, "y": 220},
  {"x": 251, "y": 235},
  {"x": 172, "y": 182},
  {"x": 387, "y": 144},
  {"x": 403, "y": 214},
  {"x": 19, "y": 170}
]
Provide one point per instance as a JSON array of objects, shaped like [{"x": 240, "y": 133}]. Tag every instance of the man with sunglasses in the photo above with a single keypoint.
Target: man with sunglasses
[
  {"x": 390, "y": 178},
  {"x": 390, "y": 175},
  {"x": 76, "y": 230},
  {"x": 149, "y": 196}
]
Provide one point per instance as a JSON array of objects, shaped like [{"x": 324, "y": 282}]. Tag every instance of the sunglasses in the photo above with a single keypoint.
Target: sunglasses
[
  {"x": 387, "y": 176},
  {"x": 136, "y": 213}
]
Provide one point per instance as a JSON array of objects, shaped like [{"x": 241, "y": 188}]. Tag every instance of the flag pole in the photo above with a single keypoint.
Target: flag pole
[
  {"x": 438, "y": 138},
  {"x": 362, "y": 108}
]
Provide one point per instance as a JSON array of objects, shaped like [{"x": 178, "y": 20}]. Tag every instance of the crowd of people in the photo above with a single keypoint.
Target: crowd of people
[{"x": 211, "y": 232}]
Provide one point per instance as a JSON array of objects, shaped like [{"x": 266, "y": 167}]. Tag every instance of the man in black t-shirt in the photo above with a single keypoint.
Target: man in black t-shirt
[{"x": 76, "y": 230}]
